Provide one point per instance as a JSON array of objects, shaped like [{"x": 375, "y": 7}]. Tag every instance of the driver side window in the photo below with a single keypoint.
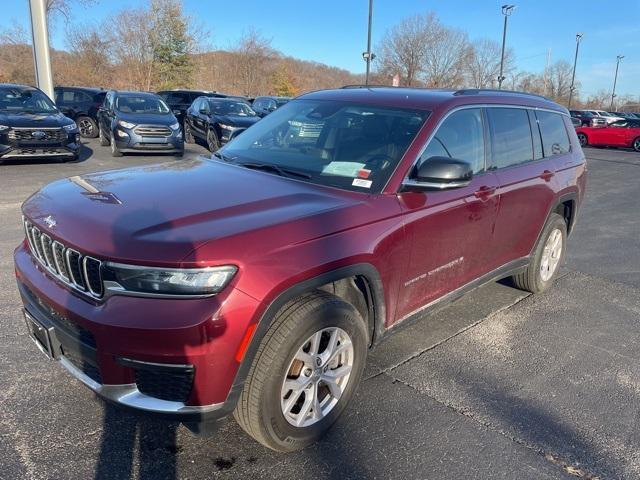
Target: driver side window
[{"x": 460, "y": 136}]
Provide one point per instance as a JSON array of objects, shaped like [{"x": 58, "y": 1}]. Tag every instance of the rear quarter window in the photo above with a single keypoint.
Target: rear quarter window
[{"x": 555, "y": 140}]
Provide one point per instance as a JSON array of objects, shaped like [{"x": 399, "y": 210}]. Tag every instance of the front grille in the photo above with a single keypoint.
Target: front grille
[
  {"x": 81, "y": 272},
  {"x": 37, "y": 135},
  {"x": 172, "y": 386},
  {"x": 152, "y": 131}
]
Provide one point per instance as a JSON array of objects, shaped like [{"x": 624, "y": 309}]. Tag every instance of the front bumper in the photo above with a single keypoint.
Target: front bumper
[
  {"x": 68, "y": 147},
  {"x": 102, "y": 344},
  {"x": 130, "y": 141}
]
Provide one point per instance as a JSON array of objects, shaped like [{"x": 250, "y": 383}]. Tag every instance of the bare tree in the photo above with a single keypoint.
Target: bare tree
[
  {"x": 447, "y": 55},
  {"x": 252, "y": 53},
  {"x": 90, "y": 55},
  {"x": 483, "y": 66},
  {"x": 559, "y": 81},
  {"x": 404, "y": 48},
  {"x": 131, "y": 38}
]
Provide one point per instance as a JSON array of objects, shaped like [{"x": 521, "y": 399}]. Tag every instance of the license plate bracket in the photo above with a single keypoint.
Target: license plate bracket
[{"x": 41, "y": 335}]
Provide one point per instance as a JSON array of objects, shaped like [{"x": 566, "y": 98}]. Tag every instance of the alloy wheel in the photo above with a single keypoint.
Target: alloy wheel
[
  {"x": 317, "y": 377},
  {"x": 551, "y": 255},
  {"x": 636, "y": 145},
  {"x": 86, "y": 127},
  {"x": 582, "y": 138}
]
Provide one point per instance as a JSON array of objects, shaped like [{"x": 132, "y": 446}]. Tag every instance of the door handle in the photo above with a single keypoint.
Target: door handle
[
  {"x": 547, "y": 175},
  {"x": 484, "y": 192}
]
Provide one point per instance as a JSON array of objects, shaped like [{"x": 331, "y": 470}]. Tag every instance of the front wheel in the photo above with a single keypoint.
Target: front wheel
[
  {"x": 115, "y": 151},
  {"x": 212, "y": 141},
  {"x": 104, "y": 141},
  {"x": 582, "y": 138},
  {"x": 636, "y": 144},
  {"x": 546, "y": 259},
  {"x": 305, "y": 372},
  {"x": 188, "y": 134}
]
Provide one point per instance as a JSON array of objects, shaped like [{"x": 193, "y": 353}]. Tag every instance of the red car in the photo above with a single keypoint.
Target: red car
[
  {"x": 254, "y": 282},
  {"x": 622, "y": 133}
]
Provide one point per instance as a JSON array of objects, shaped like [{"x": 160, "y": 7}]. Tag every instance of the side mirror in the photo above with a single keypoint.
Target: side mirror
[{"x": 439, "y": 173}]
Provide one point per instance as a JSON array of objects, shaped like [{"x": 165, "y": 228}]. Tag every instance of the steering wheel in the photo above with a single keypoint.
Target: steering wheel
[{"x": 378, "y": 160}]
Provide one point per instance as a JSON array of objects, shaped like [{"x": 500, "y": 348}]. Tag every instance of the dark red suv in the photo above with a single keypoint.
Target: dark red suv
[{"x": 254, "y": 282}]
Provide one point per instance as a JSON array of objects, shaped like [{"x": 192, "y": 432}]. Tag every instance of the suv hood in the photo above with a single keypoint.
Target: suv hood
[
  {"x": 34, "y": 120},
  {"x": 237, "y": 120},
  {"x": 161, "y": 214},
  {"x": 164, "y": 119}
]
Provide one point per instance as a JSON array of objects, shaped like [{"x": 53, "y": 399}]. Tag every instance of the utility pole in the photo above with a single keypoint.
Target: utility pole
[
  {"x": 368, "y": 56},
  {"x": 573, "y": 76},
  {"x": 507, "y": 10},
  {"x": 615, "y": 80},
  {"x": 40, "y": 37}
]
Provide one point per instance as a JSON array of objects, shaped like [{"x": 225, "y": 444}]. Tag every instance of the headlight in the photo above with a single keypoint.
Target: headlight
[
  {"x": 228, "y": 127},
  {"x": 169, "y": 281},
  {"x": 175, "y": 126},
  {"x": 72, "y": 127},
  {"x": 3, "y": 128},
  {"x": 124, "y": 124}
]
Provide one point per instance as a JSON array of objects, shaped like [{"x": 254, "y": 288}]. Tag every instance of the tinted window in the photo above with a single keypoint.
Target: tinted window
[
  {"x": 460, "y": 136},
  {"x": 555, "y": 140},
  {"x": 510, "y": 136},
  {"x": 537, "y": 139},
  {"x": 24, "y": 100},
  {"x": 146, "y": 104}
]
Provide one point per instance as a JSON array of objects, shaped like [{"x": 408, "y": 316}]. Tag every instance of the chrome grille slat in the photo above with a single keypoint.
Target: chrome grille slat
[
  {"x": 26, "y": 135},
  {"x": 65, "y": 263},
  {"x": 152, "y": 131}
]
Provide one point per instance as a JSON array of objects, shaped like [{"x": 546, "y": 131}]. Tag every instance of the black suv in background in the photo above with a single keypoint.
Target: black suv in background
[
  {"x": 180, "y": 100},
  {"x": 31, "y": 127},
  {"x": 81, "y": 104},
  {"x": 265, "y": 105},
  {"x": 217, "y": 120},
  {"x": 138, "y": 122}
]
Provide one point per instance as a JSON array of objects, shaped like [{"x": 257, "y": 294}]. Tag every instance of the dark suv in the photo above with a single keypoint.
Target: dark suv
[
  {"x": 31, "y": 127},
  {"x": 180, "y": 100},
  {"x": 81, "y": 104},
  {"x": 254, "y": 282},
  {"x": 131, "y": 122},
  {"x": 217, "y": 120},
  {"x": 265, "y": 105}
]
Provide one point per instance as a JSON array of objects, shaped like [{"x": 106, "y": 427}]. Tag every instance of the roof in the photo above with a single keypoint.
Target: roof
[
  {"x": 431, "y": 98},
  {"x": 90, "y": 89},
  {"x": 18, "y": 86}
]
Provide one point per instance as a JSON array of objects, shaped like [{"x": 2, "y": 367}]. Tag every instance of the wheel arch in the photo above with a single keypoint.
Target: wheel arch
[{"x": 565, "y": 205}]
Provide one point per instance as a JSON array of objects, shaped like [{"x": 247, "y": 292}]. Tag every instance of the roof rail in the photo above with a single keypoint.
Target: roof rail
[
  {"x": 477, "y": 91},
  {"x": 366, "y": 86}
]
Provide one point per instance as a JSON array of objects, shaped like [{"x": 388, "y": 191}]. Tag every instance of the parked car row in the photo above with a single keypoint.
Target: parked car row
[{"x": 594, "y": 118}]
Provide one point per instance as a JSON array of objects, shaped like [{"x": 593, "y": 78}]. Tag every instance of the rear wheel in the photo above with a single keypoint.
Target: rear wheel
[
  {"x": 212, "y": 141},
  {"x": 115, "y": 151},
  {"x": 547, "y": 257},
  {"x": 582, "y": 138},
  {"x": 104, "y": 141},
  {"x": 87, "y": 126},
  {"x": 636, "y": 144},
  {"x": 305, "y": 372}
]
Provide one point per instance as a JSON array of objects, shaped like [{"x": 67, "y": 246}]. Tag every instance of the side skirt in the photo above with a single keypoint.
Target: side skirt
[{"x": 511, "y": 268}]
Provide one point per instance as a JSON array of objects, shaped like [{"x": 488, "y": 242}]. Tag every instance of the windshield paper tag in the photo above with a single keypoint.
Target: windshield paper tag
[{"x": 359, "y": 182}]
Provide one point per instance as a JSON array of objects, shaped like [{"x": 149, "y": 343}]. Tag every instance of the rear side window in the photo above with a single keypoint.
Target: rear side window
[
  {"x": 555, "y": 140},
  {"x": 461, "y": 136},
  {"x": 511, "y": 142}
]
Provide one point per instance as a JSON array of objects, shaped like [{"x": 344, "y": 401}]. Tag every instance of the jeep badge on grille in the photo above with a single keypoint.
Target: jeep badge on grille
[{"x": 50, "y": 221}]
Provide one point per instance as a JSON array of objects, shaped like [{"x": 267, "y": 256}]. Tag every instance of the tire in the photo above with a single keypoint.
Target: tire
[
  {"x": 188, "y": 134},
  {"x": 636, "y": 144},
  {"x": 87, "y": 126},
  {"x": 179, "y": 154},
  {"x": 104, "y": 141},
  {"x": 582, "y": 138},
  {"x": 115, "y": 151},
  {"x": 263, "y": 402},
  {"x": 213, "y": 144},
  {"x": 543, "y": 269}
]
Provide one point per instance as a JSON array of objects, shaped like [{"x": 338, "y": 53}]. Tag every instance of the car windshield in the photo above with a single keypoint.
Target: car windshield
[
  {"x": 227, "y": 107},
  {"x": 140, "y": 104},
  {"x": 15, "y": 100},
  {"x": 335, "y": 143}
]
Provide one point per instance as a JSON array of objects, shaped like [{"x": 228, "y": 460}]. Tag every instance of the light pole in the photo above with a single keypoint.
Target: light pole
[
  {"x": 507, "y": 10},
  {"x": 615, "y": 80},
  {"x": 40, "y": 36},
  {"x": 575, "y": 62},
  {"x": 368, "y": 56}
]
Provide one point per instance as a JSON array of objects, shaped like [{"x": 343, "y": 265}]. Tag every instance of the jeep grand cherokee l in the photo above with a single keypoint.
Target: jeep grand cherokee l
[
  {"x": 255, "y": 281},
  {"x": 31, "y": 127}
]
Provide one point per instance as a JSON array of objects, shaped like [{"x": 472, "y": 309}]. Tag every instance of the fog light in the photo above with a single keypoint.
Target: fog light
[{"x": 122, "y": 134}]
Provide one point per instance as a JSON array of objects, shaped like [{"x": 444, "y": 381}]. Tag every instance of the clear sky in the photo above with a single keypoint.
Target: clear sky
[{"x": 334, "y": 31}]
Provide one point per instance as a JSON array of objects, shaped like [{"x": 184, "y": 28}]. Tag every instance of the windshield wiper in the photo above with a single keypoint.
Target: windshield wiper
[{"x": 283, "y": 172}]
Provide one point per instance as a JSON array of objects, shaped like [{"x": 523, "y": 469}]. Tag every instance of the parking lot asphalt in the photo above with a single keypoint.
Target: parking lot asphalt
[{"x": 500, "y": 384}]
